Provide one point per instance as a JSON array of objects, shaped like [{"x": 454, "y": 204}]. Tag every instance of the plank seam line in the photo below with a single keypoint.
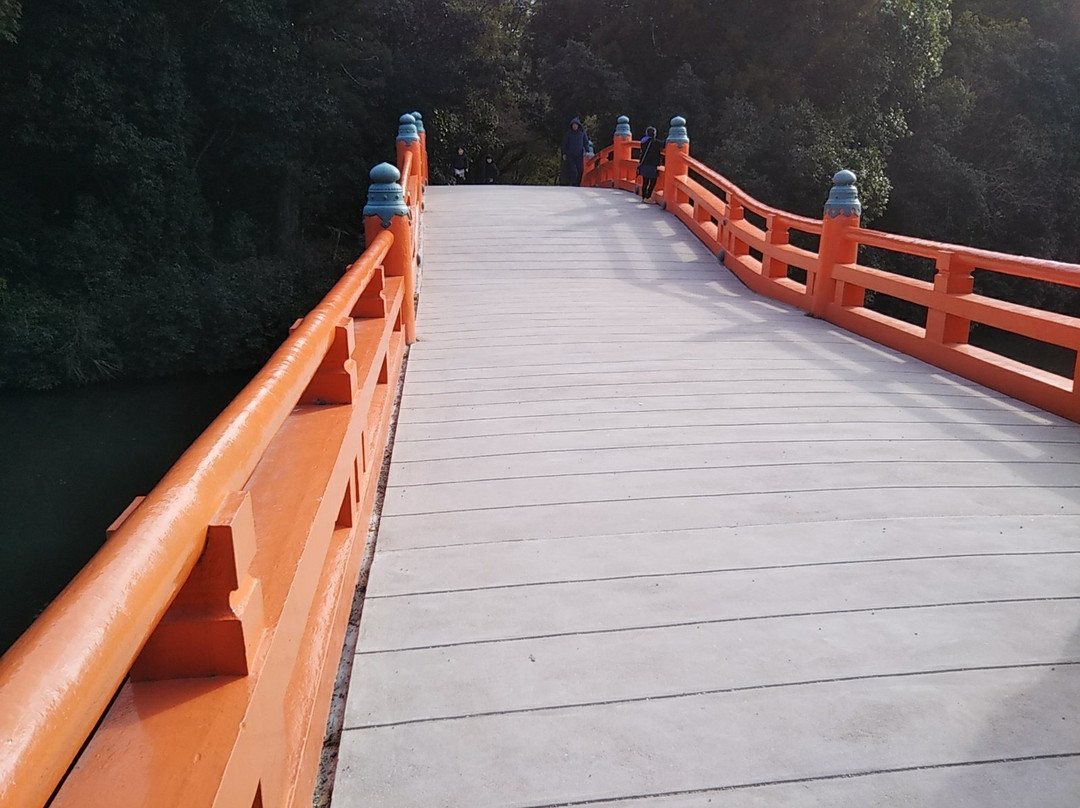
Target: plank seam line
[
  {"x": 727, "y": 494},
  {"x": 721, "y": 620},
  {"x": 938, "y": 391},
  {"x": 723, "y": 570},
  {"x": 746, "y": 425},
  {"x": 622, "y": 339},
  {"x": 770, "y": 408},
  {"x": 518, "y": 383},
  {"x": 723, "y": 444},
  {"x": 810, "y": 779},
  {"x": 905, "y": 394},
  {"x": 710, "y": 364},
  {"x": 719, "y": 691},
  {"x": 712, "y": 528},
  {"x": 623, "y": 472},
  {"x": 571, "y": 325},
  {"x": 838, "y": 368}
]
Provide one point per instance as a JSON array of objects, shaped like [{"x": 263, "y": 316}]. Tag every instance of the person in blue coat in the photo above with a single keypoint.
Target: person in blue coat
[{"x": 574, "y": 143}]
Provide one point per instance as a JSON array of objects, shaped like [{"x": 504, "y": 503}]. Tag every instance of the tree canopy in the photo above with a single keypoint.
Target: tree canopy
[{"x": 180, "y": 181}]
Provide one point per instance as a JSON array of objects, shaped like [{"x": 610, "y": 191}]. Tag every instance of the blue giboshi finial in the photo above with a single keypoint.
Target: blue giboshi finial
[
  {"x": 386, "y": 197},
  {"x": 677, "y": 131},
  {"x": 622, "y": 127},
  {"x": 407, "y": 129},
  {"x": 419, "y": 119},
  {"x": 844, "y": 196}
]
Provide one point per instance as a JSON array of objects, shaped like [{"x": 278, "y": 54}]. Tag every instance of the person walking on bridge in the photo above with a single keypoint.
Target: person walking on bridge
[
  {"x": 573, "y": 151},
  {"x": 459, "y": 166},
  {"x": 489, "y": 171},
  {"x": 649, "y": 162}
]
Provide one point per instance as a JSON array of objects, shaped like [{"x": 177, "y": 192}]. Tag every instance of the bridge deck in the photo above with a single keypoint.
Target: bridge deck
[{"x": 652, "y": 540}]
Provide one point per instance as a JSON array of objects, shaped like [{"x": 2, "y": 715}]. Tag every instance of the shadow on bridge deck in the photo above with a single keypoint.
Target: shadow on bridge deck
[{"x": 651, "y": 539}]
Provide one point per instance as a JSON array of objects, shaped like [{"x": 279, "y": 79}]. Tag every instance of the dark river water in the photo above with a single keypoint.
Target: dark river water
[{"x": 71, "y": 461}]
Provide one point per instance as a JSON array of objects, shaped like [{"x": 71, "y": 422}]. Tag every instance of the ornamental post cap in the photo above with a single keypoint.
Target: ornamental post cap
[
  {"x": 407, "y": 129},
  {"x": 677, "y": 131},
  {"x": 844, "y": 196},
  {"x": 384, "y": 174},
  {"x": 386, "y": 198},
  {"x": 419, "y": 119},
  {"x": 622, "y": 127}
]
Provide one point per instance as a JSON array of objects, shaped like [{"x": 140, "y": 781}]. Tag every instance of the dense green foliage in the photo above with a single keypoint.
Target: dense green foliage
[{"x": 180, "y": 181}]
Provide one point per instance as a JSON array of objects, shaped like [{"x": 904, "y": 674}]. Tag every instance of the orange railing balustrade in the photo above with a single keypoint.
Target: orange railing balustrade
[
  {"x": 193, "y": 661},
  {"x": 825, "y": 277},
  {"x": 422, "y": 134}
]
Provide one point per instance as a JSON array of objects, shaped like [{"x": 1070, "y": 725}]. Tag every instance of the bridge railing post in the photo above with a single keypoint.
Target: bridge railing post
[
  {"x": 836, "y": 247},
  {"x": 386, "y": 210},
  {"x": 623, "y": 155},
  {"x": 676, "y": 150},
  {"x": 335, "y": 380},
  {"x": 214, "y": 624},
  {"x": 410, "y": 161},
  {"x": 777, "y": 233},
  {"x": 424, "y": 174},
  {"x": 953, "y": 277},
  {"x": 736, "y": 212}
]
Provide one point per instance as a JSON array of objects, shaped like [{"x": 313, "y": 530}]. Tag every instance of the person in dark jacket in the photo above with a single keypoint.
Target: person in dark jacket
[
  {"x": 649, "y": 162},
  {"x": 459, "y": 166},
  {"x": 489, "y": 171},
  {"x": 573, "y": 151}
]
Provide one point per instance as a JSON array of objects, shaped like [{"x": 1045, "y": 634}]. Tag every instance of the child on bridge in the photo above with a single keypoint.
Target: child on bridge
[
  {"x": 489, "y": 171},
  {"x": 459, "y": 166}
]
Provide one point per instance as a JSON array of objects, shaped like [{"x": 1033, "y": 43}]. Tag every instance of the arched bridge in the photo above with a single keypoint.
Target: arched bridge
[{"x": 650, "y": 534}]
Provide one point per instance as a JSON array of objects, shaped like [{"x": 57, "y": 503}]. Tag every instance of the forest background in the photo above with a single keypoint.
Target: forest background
[{"x": 180, "y": 181}]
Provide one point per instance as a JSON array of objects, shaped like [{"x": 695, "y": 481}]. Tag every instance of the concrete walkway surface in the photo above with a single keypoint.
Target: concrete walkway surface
[{"x": 652, "y": 540}]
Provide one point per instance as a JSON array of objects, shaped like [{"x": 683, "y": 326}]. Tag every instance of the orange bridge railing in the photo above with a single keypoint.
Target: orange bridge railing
[
  {"x": 193, "y": 660},
  {"x": 824, "y": 274}
]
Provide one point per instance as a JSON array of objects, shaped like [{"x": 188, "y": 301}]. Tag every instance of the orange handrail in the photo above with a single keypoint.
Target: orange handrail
[
  {"x": 61, "y": 674},
  {"x": 1020, "y": 266},
  {"x": 831, "y": 283},
  {"x": 803, "y": 223}
]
